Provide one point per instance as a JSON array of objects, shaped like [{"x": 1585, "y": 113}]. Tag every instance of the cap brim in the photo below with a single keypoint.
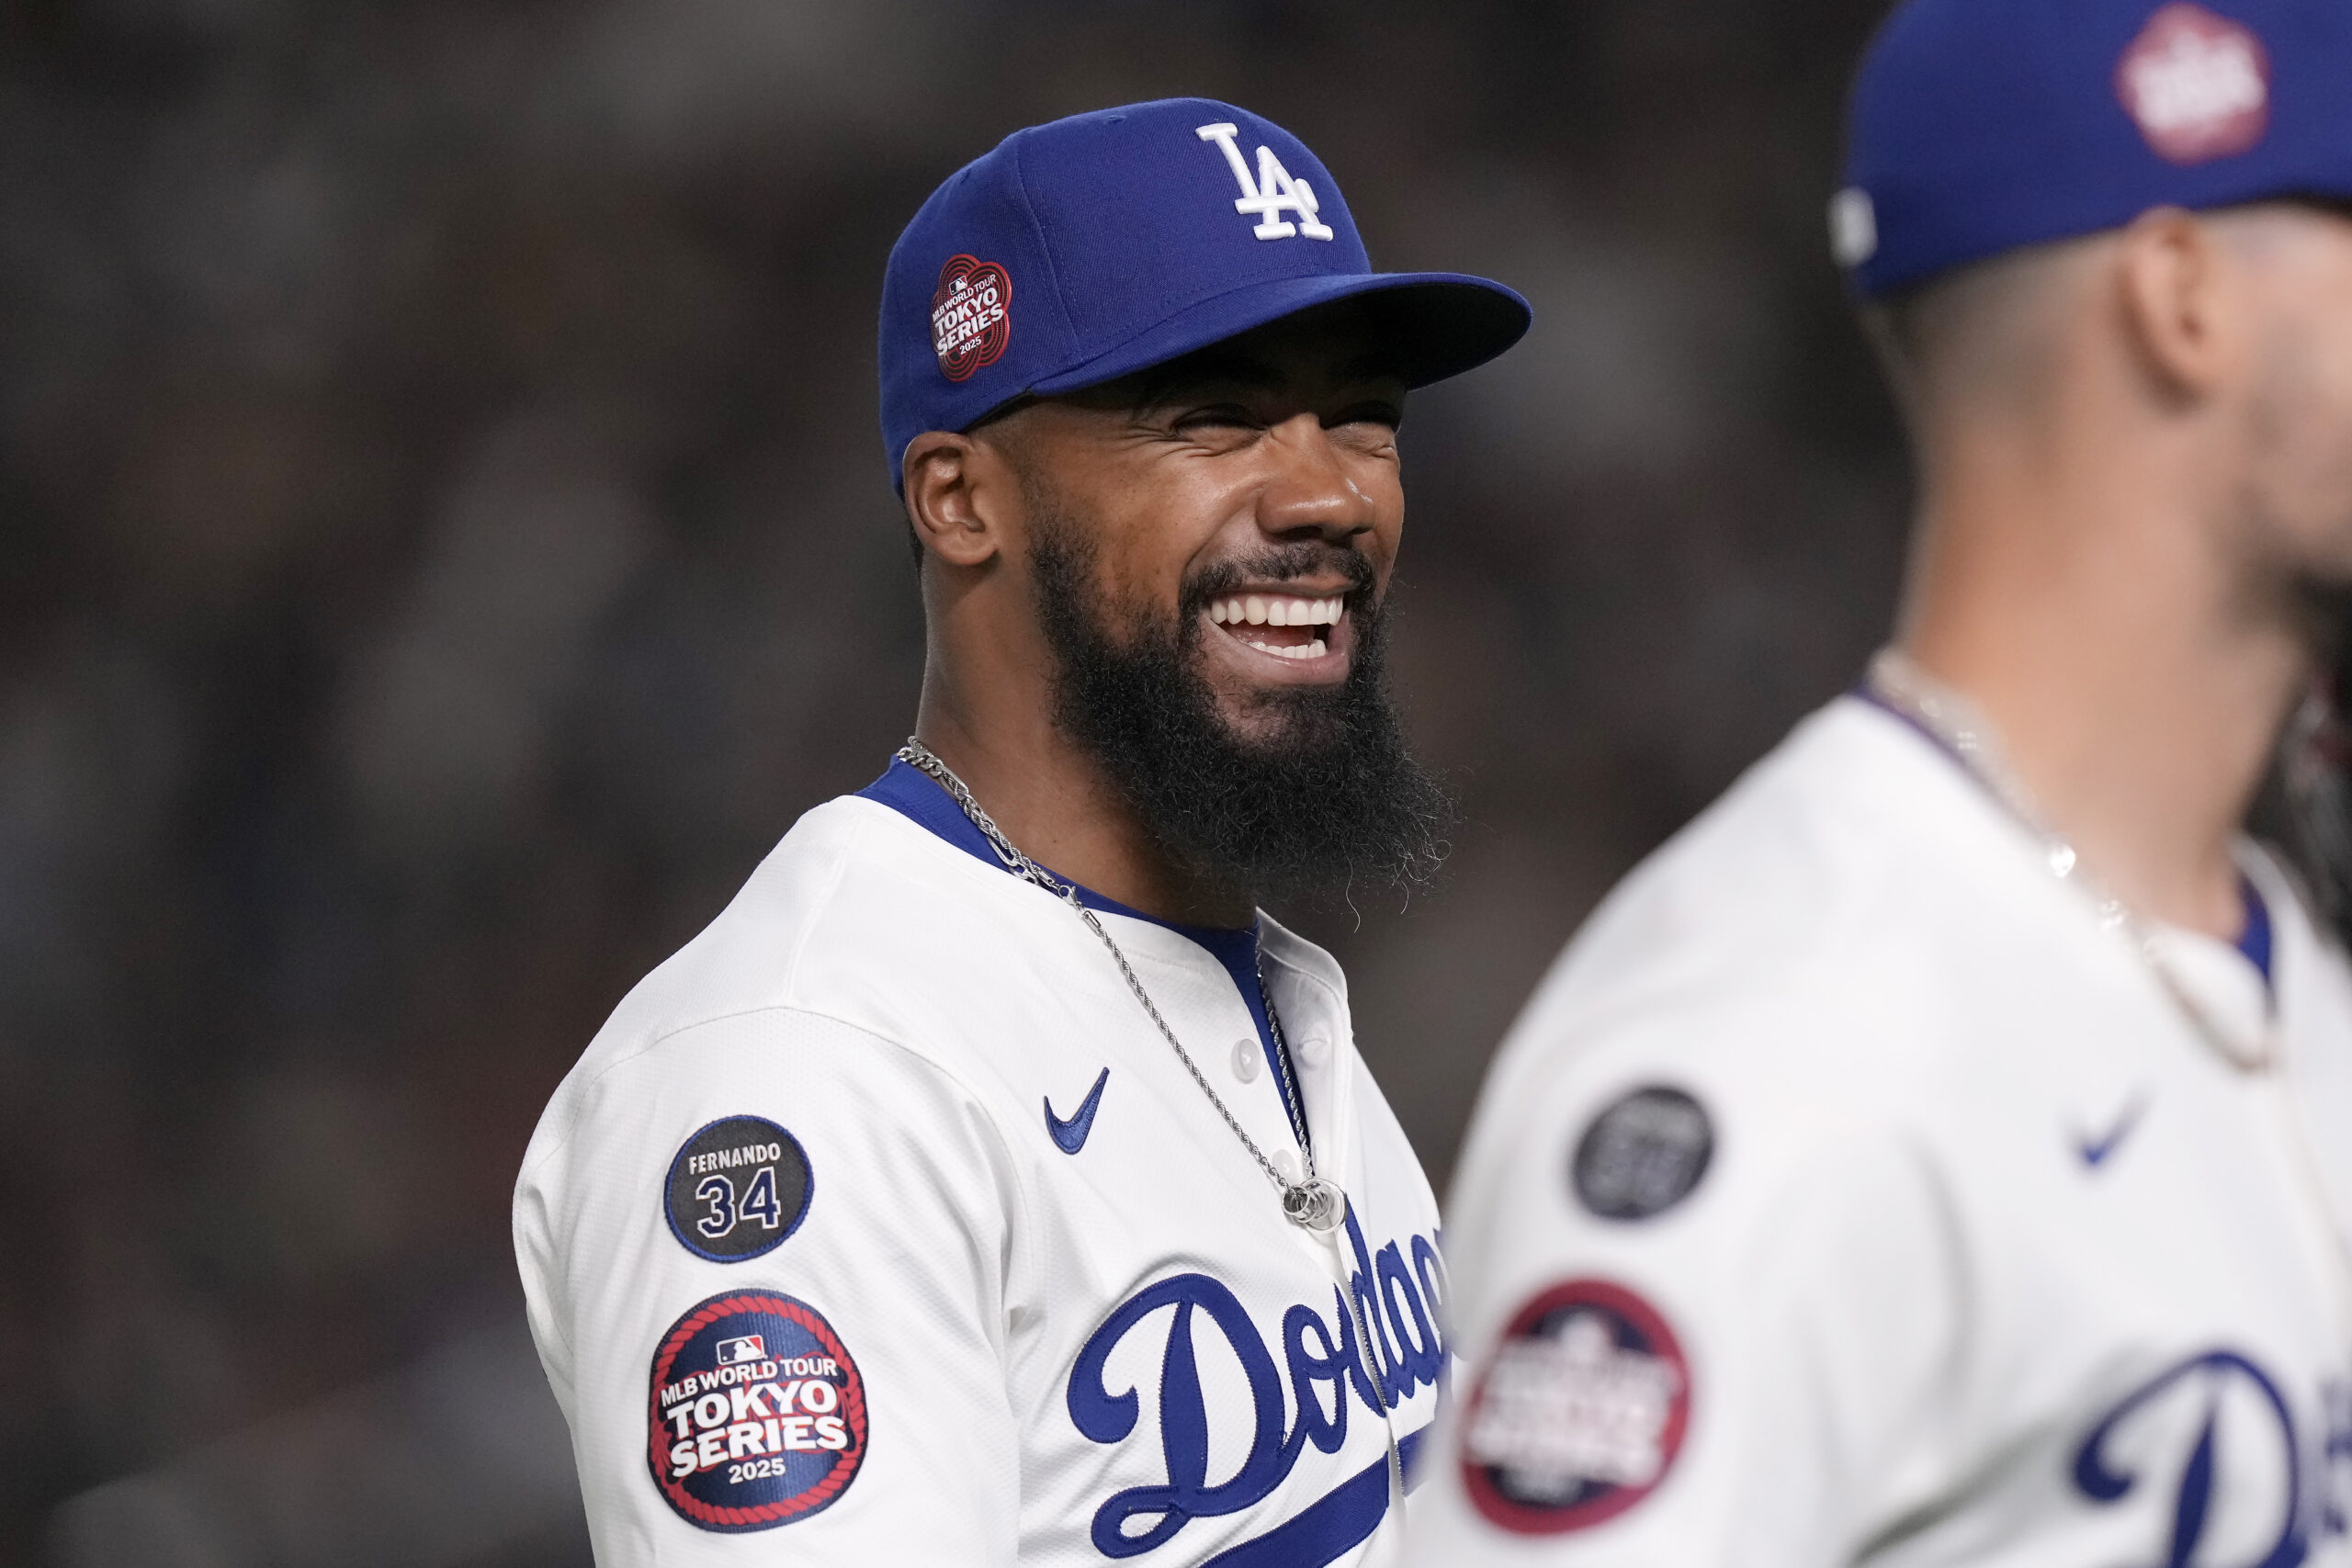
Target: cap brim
[{"x": 1435, "y": 324}]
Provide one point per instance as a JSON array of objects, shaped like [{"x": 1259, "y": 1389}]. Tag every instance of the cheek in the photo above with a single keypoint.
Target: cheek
[
  {"x": 2318, "y": 350},
  {"x": 1381, "y": 484},
  {"x": 2326, "y": 362},
  {"x": 2322, "y": 426},
  {"x": 1387, "y": 533},
  {"x": 1145, "y": 560},
  {"x": 2303, "y": 426}
]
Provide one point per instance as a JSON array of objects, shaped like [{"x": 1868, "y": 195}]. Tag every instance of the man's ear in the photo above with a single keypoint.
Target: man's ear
[
  {"x": 2173, "y": 277},
  {"x": 957, "y": 489}
]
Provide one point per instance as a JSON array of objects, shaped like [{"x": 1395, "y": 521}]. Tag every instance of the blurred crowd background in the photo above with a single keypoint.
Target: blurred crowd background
[{"x": 447, "y": 543}]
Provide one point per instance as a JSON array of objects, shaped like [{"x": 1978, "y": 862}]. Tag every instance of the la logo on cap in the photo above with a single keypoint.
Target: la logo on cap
[
  {"x": 1273, "y": 193},
  {"x": 2196, "y": 84}
]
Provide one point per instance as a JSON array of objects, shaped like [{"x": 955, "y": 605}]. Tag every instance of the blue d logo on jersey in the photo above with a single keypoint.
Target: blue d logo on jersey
[
  {"x": 2242, "y": 1428},
  {"x": 1400, "y": 1308}
]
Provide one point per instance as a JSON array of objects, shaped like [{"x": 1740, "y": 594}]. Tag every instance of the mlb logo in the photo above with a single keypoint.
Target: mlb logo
[
  {"x": 2196, "y": 84},
  {"x": 751, "y": 1347}
]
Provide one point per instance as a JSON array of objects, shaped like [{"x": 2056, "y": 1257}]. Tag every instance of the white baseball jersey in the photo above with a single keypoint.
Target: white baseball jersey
[
  {"x": 1849, "y": 1194},
  {"x": 881, "y": 1225}
]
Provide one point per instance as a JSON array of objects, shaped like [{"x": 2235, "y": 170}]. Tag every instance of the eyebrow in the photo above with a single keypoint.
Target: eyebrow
[{"x": 1240, "y": 370}]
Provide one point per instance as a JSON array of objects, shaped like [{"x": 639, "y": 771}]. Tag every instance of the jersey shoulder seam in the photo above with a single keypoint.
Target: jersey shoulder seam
[
  {"x": 1017, "y": 1222},
  {"x": 925, "y": 1058},
  {"x": 843, "y": 852},
  {"x": 655, "y": 1042},
  {"x": 656, "y": 1039}
]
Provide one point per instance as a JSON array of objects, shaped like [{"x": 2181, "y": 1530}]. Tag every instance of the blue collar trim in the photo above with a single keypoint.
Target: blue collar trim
[
  {"x": 910, "y": 791},
  {"x": 914, "y": 793},
  {"x": 2254, "y": 941}
]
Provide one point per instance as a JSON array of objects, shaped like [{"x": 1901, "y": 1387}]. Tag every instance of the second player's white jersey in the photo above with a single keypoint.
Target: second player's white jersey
[
  {"x": 1849, "y": 1194},
  {"x": 880, "y": 1226}
]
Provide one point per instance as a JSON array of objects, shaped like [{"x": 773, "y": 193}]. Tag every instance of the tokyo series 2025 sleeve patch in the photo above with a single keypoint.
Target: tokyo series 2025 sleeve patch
[
  {"x": 1578, "y": 1414},
  {"x": 737, "y": 1188},
  {"x": 756, "y": 1414}
]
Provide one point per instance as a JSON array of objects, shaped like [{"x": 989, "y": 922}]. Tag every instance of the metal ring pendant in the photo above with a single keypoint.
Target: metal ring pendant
[{"x": 1316, "y": 1204}]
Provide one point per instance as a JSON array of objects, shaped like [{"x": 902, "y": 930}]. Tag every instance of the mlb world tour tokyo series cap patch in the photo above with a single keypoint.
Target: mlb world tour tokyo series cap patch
[
  {"x": 1981, "y": 126},
  {"x": 1082, "y": 251}
]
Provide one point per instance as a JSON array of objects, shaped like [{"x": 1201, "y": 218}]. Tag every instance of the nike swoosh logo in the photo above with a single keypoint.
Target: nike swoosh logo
[
  {"x": 2096, "y": 1150},
  {"x": 1069, "y": 1136}
]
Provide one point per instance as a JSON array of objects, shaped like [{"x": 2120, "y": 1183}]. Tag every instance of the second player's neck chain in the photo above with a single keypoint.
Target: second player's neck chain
[
  {"x": 1897, "y": 681},
  {"x": 1310, "y": 1202}
]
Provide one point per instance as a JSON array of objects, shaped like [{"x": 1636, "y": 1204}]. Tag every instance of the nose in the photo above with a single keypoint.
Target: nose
[{"x": 1312, "y": 493}]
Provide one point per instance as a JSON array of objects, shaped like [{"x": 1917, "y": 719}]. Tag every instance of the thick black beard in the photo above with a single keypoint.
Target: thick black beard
[{"x": 1330, "y": 800}]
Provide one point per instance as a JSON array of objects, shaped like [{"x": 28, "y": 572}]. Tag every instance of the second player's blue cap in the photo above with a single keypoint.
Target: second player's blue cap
[
  {"x": 1981, "y": 126},
  {"x": 1082, "y": 251}
]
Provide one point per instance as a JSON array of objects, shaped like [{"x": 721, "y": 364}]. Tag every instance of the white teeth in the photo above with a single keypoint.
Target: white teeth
[{"x": 1257, "y": 609}]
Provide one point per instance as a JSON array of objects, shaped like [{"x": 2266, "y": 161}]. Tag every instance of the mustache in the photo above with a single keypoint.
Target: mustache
[
  {"x": 1335, "y": 802},
  {"x": 1275, "y": 564}
]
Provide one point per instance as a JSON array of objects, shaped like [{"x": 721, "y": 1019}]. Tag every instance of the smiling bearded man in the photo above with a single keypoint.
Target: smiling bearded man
[
  {"x": 991, "y": 1182},
  {"x": 1307, "y": 783}
]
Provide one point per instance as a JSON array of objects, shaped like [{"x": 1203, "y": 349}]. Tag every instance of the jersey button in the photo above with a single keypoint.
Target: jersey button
[
  {"x": 1315, "y": 1049},
  {"x": 1246, "y": 1060},
  {"x": 1286, "y": 1164}
]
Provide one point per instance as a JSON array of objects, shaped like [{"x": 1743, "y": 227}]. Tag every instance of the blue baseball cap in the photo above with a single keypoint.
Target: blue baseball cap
[
  {"x": 1980, "y": 126},
  {"x": 1082, "y": 251}
]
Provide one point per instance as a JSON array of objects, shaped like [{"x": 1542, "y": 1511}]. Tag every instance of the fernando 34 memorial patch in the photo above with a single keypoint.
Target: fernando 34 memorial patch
[{"x": 757, "y": 1413}]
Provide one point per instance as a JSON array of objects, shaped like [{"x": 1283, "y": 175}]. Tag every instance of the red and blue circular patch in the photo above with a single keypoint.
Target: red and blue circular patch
[
  {"x": 971, "y": 316},
  {"x": 757, "y": 1415},
  {"x": 1579, "y": 1413}
]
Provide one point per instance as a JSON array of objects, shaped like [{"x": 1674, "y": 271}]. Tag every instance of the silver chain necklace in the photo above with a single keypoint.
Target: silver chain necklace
[
  {"x": 1897, "y": 680},
  {"x": 1311, "y": 1202}
]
